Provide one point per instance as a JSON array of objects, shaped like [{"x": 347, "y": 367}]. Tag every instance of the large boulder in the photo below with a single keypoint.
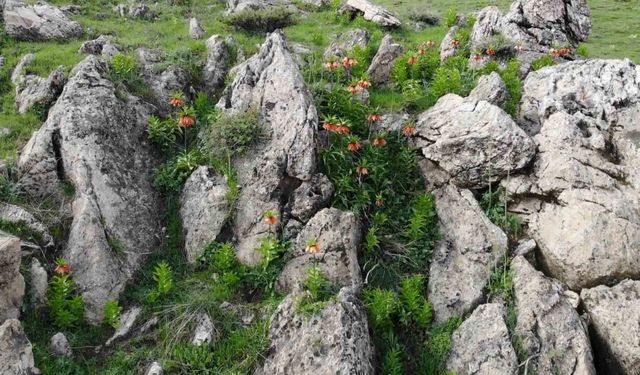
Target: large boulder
[
  {"x": 615, "y": 321},
  {"x": 238, "y": 6},
  {"x": 345, "y": 43},
  {"x": 11, "y": 281},
  {"x": 16, "y": 355},
  {"x": 371, "y": 12},
  {"x": 285, "y": 156},
  {"x": 548, "y": 325},
  {"x": 334, "y": 341},
  {"x": 482, "y": 346},
  {"x": 204, "y": 208},
  {"x": 97, "y": 142},
  {"x": 380, "y": 69},
  {"x": 217, "y": 64},
  {"x": 38, "y": 22},
  {"x": 33, "y": 90},
  {"x": 586, "y": 178},
  {"x": 471, "y": 247},
  {"x": 474, "y": 141},
  {"x": 338, "y": 236}
]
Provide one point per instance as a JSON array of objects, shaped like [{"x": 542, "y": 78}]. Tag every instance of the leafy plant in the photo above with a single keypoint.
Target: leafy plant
[
  {"x": 163, "y": 276},
  {"x": 317, "y": 291},
  {"x": 268, "y": 19},
  {"x": 381, "y": 304},
  {"x": 171, "y": 176},
  {"x": 112, "y": 311},
  {"x": 231, "y": 135},
  {"x": 415, "y": 307},
  {"x": 65, "y": 305},
  {"x": 494, "y": 204},
  {"x": 164, "y": 133},
  {"x": 541, "y": 62}
]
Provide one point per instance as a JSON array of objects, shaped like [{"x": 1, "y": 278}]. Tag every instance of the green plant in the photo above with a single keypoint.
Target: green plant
[
  {"x": 494, "y": 204},
  {"x": 381, "y": 305},
  {"x": 123, "y": 66},
  {"x": 163, "y": 276},
  {"x": 510, "y": 76},
  {"x": 164, "y": 133},
  {"x": 450, "y": 18},
  {"x": 170, "y": 176},
  {"x": 392, "y": 362},
  {"x": 416, "y": 308},
  {"x": 273, "y": 257},
  {"x": 268, "y": 19},
  {"x": 437, "y": 346},
  {"x": 231, "y": 135},
  {"x": 541, "y": 62},
  {"x": 317, "y": 291},
  {"x": 582, "y": 50},
  {"x": 112, "y": 311},
  {"x": 65, "y": 305}
]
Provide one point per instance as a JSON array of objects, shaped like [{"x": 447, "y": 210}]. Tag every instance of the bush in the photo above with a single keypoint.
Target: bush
[
  {"x": 268, "y": 19},
  {"x": 541, "y": 62},
  {"x": 171, "y": 176},
  {"x": 231, "y": 135},
  {"x": 163, "y": 276},
  {"x": 317, "y": 291},
  {"x": 112, "y": 311},
  {"x": 510, "y": 76},
  {"x": 65, "y": 305}
]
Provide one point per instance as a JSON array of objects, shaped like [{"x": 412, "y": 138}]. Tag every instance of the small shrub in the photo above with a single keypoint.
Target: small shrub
[
  {"x": 450, "y": 18},
  {"x": 65, "y": 305},
  {"x": 437, "y": 347},
  {"x": 164, "y": 133},
  {"x": 112, "y": 311},
  {"x": 268, "y": 19},
  {"x": 231, "y": 135},
  {"x": 170, "y": 176},
  {"x": 416, "y": 308},
  {"x": 510, "y": 76},
  {"x": 263, "y": 276},
  {"x": 317, "y": 291},
  {"x": 163, "y": 277},
  {"x": 582, "y": 50},
  {"x": 381, "y": 305},
  {"x": 541, "y": 62},
  {"x": 392, "y": 362}
]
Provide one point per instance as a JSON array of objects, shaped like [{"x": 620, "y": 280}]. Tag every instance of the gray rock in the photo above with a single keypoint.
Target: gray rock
[
  {"x": 5, "y": 132},
  {"x": 136, "y": 11},
  {"x": 195, "y": 29},
  {"x": 38, "y": 22},
  {"x": 204, "y": 208},
  {"x": 310, "y": 197},
  {"x": 16, "y": 356},
  {"x": 471, "y": 247},
  {"x": 392, "y": 122},
  {"x": 164, "y": 84},
  {"x": 11, "y": 281},
  {"x": 490, "y": 88},
  {"x": 34, "y": 90},
  {"x": 205, "y": 332},
  {"x": 217, "y": 64},
  {"x": 346, "y": 42},
  {"x": 243, "y": 313},
  {"x": 338, "y": 236},
  {"x": 482, "y": 346},
  {"x": 96, "y": 46},
  {"x": 615, "y": 320},
  {"x": 335, "y": 341},
  {"x": 59, "y": 346},
  {"x": 17, "y": 215},
  {"x": 525, "y": 247},
  {"x": 98, "y": 142},
  {"x": 237, "y": 6},
  {"x": 475, "y": 142},
  {"x": 380, "y": 69},
  {"x": 154, "y": 369},
  {"x": 371, "y": 12},
  {"x": 550, "y": 329},
  {"x": 127, "y": 320},
  {"x": 39, "y": 282},
  {"x": 447, "y": 49},
  {"x": 271, "y": 82}
]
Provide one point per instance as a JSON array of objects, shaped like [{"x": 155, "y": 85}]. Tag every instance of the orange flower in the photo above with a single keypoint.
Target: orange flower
[
  {"x": 354, "y": 89},
  {"x": 456, "y": 42},
  {"x": 329, "y": 126},
  {"x": 353, "y": 146},
  {"x": 186, "y": 121},
  {"x": 342, "y": 129},
  {"x": 430, "y": 43},
  {"x": 477, "y": 57},
  {"x": 491, "y": 51},
  {"x": 408, "y": 130},
  {"x": 270, "y": 218},
  {"x": 422, "y": 52},
  {"x": 331, "y": 65},
  {"x": 348, "y": 63},
  {"x": 176, "y": 102},
  {"x": 379, "y": 201},
  {"x": 379, "y": 141},
  {"x": 562, "y": 52},
  {"x": 554, "y": 52},
  {"x": 364, "y": 84},
  {"x": 374, "y": 117},
  {"x": 412, "y": 60},
  {"x": 62, "y": 268},
  {"x": 313, "y": 247},
  {"x": 362, "y": 170}
]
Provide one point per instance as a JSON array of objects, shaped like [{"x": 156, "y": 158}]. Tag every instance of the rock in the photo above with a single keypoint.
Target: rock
[
  {"x": 59, "y": 346},
  {"x": 154, "y": 369},
  {"x": 16, "y": 356},
  {"x": 34, "y": 90},
  {"x": 335, "y": 341},
  {"x": 482, "y": 345},
  {"x": 475, "y": 142},
  {"x": 614, "y": 318},
  {"x": 271, "y": 82},
  {"x": 163, "y": 85},
  {"x": 490, "y": 88},
  {"x": 38, "y": 22},
  {"x": 205, "y": 332},
  {"x": 345, "y": 43},
  {"x": 244, "y": 314},
  {"x": 586, "y": 174},
  {"x": 127, "y": 320},
  {"x": 525, "y": 247},
  {"x": 217, "y": 64},
  {"x": 392, "y": 122},
  {"x": 471, "y": 247},
  {"x": 148, "y": 326},
  {"x": 99, "y": 46},
  {"x": 382, "y": 63},
  {"x": 310, "y": 197},
  {"x": 11, "y": 281},
  {"x": 17, "y": 215},
  {"x": 488, "y": 23},
  {"x": 204, "y": 208},
  {"x": 550, "y": 329},
  {"x": 238, "y": 6},
  {"x": 39, "y": 282},
  {"x": 98, "y": 142},
  {"x": 371, "y": 12},
  {"x": 5, "y": 132},
  {"x": 195, "y": 29},
  {"x": 135, "y": 11}
]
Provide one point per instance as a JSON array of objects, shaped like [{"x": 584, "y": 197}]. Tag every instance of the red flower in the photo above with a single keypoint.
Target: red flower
[
  {"x": 186, "y": 120},
  {"x": 408, "y": 130},
  {"x": 353, "y": 146},
  {"x": 554, "y": 52},
  {"x": 422, "y": 52},
  {"x": 362, "y": 170},
  {"x": 412, "y": 60},
  {"x": 270, "y": 218},
  {"x": 341, "y": 129},
  {"x": 354, "y": 89},
  {"x": 477, "y": 57},
  {"x": 62, "y": 268},
  {"x": 430, "y": 43},
  {"x": 364, "y": 84},
  {"x": 348, "y": 63},
  {"x": 329, "y": 126},
  {"x": 491, "y": 51},
  {"x": 374, "y": 117},
  {"x": 177, "y": 100},
  {"x": 312, "y": 247},
  {"x": 379, "y": 141},
  {"x": 331, "y": 65},
  {"x": 456, "y": 42},
  {"x": 562, "y": 52}
]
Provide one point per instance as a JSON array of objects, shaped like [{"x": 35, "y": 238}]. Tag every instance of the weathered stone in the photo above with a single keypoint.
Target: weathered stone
[
  {"x": 5, "y": 132},
  {"x": 490, "y": 88},
  {"x": 471, "y": 247},
  {"x": 550, "y": 329},
  {"x": 310, "y": 197},
  {"x": 615, "y": 320},
  {"x": 165, "y": 84},
  {"x": 338, "y": 236},
  {"x": 204, "y": 208},
  {"x": 154, "y": 369},
  {"x": 97, "y": 46},
  {"x": 205, "y": 332},
  {"x": 16, "y": 356},
  {"x": 11, "y": 281},
  {"x": 346, "y": 42},
  {"x": 243, "y": 313},
  {"x": 217, "y": 64},
  {"x": 136, "y": 11},
  {"x": 285, "y": 156},
  {"x": 371, "y": 12},
  {"x": 237, "y": 6},
  {"x": 475, "y": 142},
  {"x": 127, "y": 320},
  {"x": 482, "y": 346},
  {"x": 34, "y": 90},
  {"x": 59, "y": 345},
  {"x": 380, "y": 69},
  {"x": 195, "y": 29},
  {"x": 39, "y": 282},
  {"x": 525, "y": 247},
  {"x": 17, "y": 215},
  {"x": 98, "y": 142},
  {"x": 334, "y": 341},
  {"x": 38, "y": 22}
]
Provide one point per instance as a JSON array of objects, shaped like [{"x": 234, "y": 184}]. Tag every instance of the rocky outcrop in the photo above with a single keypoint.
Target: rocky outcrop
[
  {"x": 217, "y": 64},
  {"x": 474, "y": 141},
  {"x": 135, "y": 11},
  {"x": 371, "y": 12},
  {"x": 237, "y": 6},
  {"x": 614, "y": 316},
  {"x": 125, "y": 325},
  {"x": 548, "y": 326},
  {"x": 490, "y": 88},
  {"x": 334, "y": 341},
  {"x": 310, "y": 197},
  {"x": 285, "y": 157},
  {"x": 195, "y": 29},
  {"x": 204, "y": 208},
  {"x": 101, "y": 46},
  {"x": 98, "y": 142},
  {"x": 464, "y": 258},
  {"x": 38, "y": 22},
  {"x": 33, "y": 90},
  {"x": 337, "y": 235},
  {"x": 11, "y": 281},
  {"x": 345, "y": 43},
  {"x": 585, "y": 179},
  {"x": 380, "y": 69},
  {"x": 482, "y": 346},
  {"x": 17, "y": 215},
  {"x": 16, "y": 356}
]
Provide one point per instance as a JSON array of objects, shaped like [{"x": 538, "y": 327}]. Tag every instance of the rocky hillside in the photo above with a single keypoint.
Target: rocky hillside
[{"x": 315, "y": 187}]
